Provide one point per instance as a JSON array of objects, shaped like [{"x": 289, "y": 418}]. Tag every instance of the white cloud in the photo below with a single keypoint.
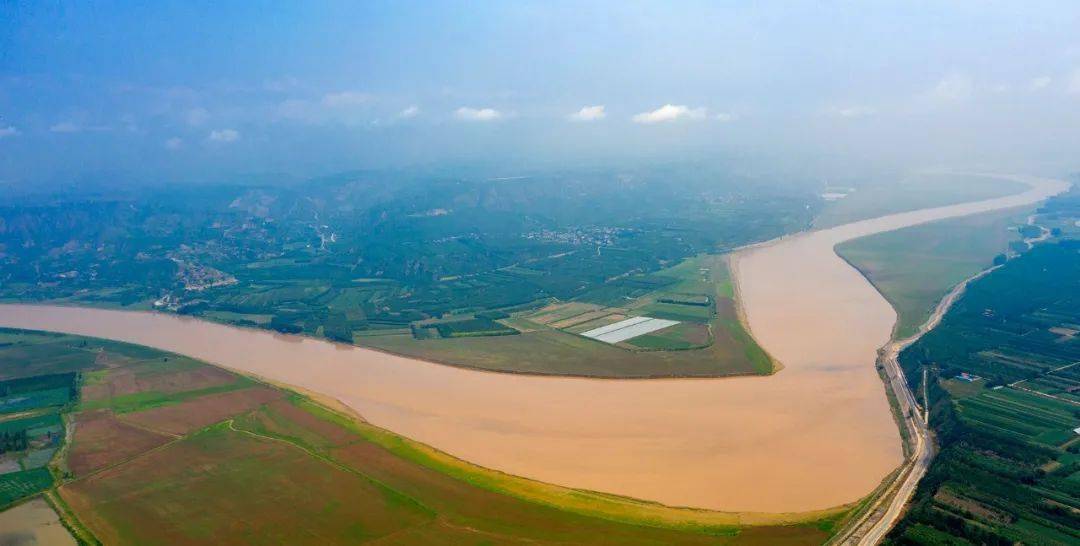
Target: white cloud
[
  {"x": 1042, "y": 82},
  {"x": 196, "y": 116},
  {"x": 224, "y": 136},
  {"x": 589, "y": 113},
  {"x": 174, "y": 143},
  {"x": 345, "y": 99},
  {"x": 8, "y": 131},
  {"x": 952, "y": 88},
  {"x": 477, "y": 114},
  {"x": 670, "y": 112},
  {"x": 410, "y": 112},
  {"x": 852, "y": 111},
  {"x": 726, "y": 117}
]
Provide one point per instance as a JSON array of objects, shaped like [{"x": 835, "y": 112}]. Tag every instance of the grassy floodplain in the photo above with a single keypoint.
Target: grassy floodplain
[
  {"x": 721, "y": 346},
  {"x": 161, "y": 444},
  {"x": 911, "y": 192},
  {"x": 916, "y": 266}
]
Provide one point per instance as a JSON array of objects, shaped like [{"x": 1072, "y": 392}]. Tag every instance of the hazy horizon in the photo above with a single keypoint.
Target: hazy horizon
[{"x": 180, "y": 91}]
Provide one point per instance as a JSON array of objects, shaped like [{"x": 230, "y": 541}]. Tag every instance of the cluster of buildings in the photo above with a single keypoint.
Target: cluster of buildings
[{"x": 599, "y": 236}]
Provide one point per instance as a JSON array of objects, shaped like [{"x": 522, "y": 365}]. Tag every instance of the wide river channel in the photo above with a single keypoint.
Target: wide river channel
[{"x": 818, "y": 434}]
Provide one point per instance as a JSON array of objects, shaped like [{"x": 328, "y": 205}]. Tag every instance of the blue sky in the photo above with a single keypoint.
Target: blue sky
[{"x": 186, "y": 90}]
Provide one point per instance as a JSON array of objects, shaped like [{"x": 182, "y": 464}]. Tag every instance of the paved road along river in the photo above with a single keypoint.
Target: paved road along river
[{"x": 816, "y": 435}]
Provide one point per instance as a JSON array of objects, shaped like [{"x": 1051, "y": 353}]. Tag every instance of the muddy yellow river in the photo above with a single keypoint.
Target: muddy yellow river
[{"x": 816, "y": 435}]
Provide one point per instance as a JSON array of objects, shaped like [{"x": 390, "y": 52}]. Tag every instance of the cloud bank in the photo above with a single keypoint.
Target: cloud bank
[
  {"x": 953, "y": 88},
  {"x": 477, "y": 114},
  {"x": 852, "y": 111},
  {"x": 669, "y": 113},
  {"x": 224, "y": 136},
  {"x": 589, "y": 113}
]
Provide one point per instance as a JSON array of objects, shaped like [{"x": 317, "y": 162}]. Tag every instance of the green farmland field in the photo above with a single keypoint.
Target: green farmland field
[
  {"x": 1008, "y": 469},
  {"x": 18, "y": 485},
  {"x": 729, "y": 351},
  {"x": 916, "y": 266}
]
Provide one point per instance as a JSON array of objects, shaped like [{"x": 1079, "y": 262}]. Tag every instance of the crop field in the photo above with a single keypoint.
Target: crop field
[
  {"x": 552, "y": 335},
  {"x": 30, "y": 441},
  {"x": 555, "y": 313},
  {"x": 1063, "y": 383},
  {"x": 606, "y": 317},
  {"x": 195, "y": 413},
  {"x": 257, "y": 319},
  {"x": 1008, "y": 470},
  {"x": 308, "y": 475},
  {"x": 472, "y": 327},
  {"x": 27, "y": 355},
  {"x": 682, "y": 336},
  {"x": 30, "y": 427},
  {"x": 1022, "y": 415},
  {"x": 916, "y": 266},
  {"x": 698, "y": 300},
  {"x": 101, "y": 440},
  {"x": 38, "y": 424},
  {"x": 732, "y": 352},
  {"x": 582, "y": 318},
  {"x": 18, "y": 485},
  {"x": 160, "y": 376},
  {"x": 36, "y": 399},
  {"x": 678, "y": 312},
  {"x": 31, "y": 393},
  {"x": 288, "y": 496},
  {"x": 149, "y": 399}
]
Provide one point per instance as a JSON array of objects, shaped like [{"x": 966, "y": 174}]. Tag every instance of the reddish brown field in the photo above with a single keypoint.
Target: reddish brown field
[
  {"x": 282, "y": 418},
  {"x": 225, "y": 487},
  {"x": 204, "y": 411},
  {"x": 232, "y": 483},
  {"x": 102, "y": 440},
  {"x": 135, "y": 379}
]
